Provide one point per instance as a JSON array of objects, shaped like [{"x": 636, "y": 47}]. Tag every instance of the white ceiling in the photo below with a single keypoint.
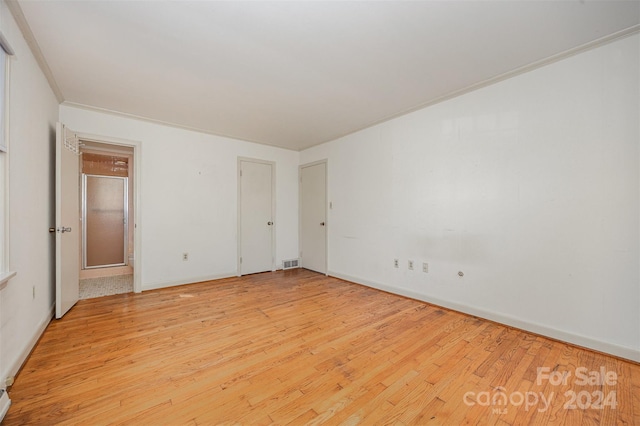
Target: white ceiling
[{"x": 298, "y": 73}]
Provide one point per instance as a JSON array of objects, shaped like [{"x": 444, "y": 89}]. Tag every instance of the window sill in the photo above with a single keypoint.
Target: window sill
[{"x": 5, "y": 277}]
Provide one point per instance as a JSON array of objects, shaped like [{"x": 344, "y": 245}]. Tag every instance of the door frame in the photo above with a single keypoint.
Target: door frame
[
  {"x": 326, "y": 213},
  {"x": 137, "y": 197},
  {"x": 273, "y": 210}
]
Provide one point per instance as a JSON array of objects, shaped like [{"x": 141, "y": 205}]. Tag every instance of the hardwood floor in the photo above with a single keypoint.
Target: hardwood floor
[{"x": 298, "y": 347}]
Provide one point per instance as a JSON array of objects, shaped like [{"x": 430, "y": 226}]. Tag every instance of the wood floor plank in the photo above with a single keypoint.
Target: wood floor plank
[{"x": 296, "y": 347}]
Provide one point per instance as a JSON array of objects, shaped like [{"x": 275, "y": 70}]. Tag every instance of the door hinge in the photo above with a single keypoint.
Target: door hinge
[
  {"x": 240, "y": 173},
  {"x": 240, "y": 260}
]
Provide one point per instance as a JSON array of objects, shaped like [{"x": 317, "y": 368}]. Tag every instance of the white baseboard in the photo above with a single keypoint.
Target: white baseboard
[
  {"x": 5, "y": 403},
  {"x": 26, "y": 350},
  {"x": 576, "y": 339},
  {"x": 164, "y": 284}
]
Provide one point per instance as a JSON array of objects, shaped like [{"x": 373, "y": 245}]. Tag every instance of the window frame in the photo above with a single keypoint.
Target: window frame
[{"x": 6, "y": 54}]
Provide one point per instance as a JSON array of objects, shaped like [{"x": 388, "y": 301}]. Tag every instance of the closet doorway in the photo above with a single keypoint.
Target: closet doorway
[{"x": 107, "y": 204}]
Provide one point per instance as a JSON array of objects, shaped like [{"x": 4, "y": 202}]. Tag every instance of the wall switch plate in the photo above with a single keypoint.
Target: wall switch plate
[
  {"x": 410, "y": 263},
  {"x": 425, "y": 267}
]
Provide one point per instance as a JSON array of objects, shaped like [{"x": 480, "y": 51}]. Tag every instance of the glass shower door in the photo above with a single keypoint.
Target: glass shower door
[{"x": 104, "y": 221}]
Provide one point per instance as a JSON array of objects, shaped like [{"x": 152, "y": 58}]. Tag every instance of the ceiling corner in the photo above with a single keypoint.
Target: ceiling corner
[{"x": 25, "y": 29}]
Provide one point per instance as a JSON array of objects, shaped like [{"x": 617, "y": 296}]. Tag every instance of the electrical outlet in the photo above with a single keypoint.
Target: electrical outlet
[
  {"x": 410, "y": 265},
  {"x": 185, "y": 256},
  {"x": 396, "y": 263},
  {"x": 425, "y": 267}
]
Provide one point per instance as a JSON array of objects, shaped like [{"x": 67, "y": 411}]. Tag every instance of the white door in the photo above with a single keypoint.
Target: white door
[
  {"x": 67, "y": 219},
  {"x": 256, "y": 217},
  {"x": 313, "y": 217}
]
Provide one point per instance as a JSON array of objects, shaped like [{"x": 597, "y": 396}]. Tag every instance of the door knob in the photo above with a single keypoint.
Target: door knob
[
  {"x": 269, "y": 223},
  {"x": 321, "y": 223}
]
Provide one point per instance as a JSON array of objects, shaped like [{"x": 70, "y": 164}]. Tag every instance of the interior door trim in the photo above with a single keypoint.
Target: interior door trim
[{"x": 137, "y": 197}]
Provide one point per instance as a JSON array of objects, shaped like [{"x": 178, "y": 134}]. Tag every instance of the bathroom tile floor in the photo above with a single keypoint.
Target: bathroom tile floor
[{"x": 105, "y": 286}]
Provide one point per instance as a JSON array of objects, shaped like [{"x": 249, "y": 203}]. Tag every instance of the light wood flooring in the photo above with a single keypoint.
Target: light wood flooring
[{"x": 297, "y": 347}]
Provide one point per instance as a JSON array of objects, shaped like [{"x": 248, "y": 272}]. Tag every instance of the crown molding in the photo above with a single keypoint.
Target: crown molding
[
  {"x": 168, "y": 124},
  {"x": 25, "y": 29},
  {"x": 627, "y": 32}
]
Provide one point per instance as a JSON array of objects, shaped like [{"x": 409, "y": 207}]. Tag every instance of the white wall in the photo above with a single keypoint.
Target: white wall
[
  {"x": 530, "y": 187},
  {"x": 189, "y": 196},
  {"x": 33, "y": 113}
]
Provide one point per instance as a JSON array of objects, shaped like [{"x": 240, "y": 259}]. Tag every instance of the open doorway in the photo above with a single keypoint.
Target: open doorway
[{"x": 107, "y": 241}]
